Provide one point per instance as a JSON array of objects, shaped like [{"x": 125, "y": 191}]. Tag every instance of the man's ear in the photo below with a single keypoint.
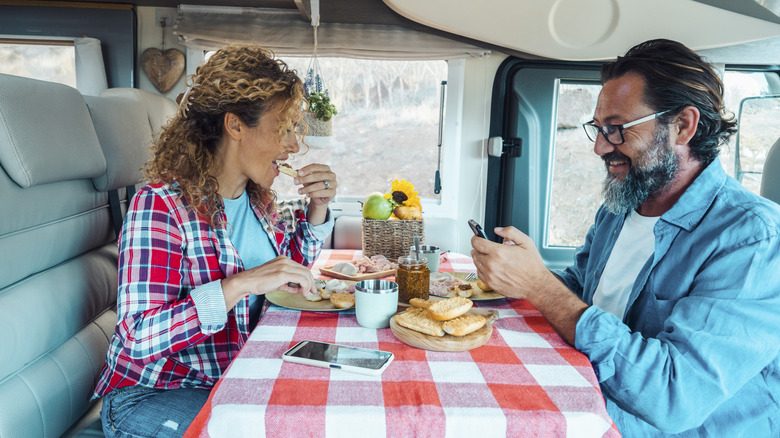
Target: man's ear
[
  {"x": 233, "y": 126},
  {"x": 686, "y": 124}
]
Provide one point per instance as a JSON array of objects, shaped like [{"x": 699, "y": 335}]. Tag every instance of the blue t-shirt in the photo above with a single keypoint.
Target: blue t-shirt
[{"x": 251, "y": 241}]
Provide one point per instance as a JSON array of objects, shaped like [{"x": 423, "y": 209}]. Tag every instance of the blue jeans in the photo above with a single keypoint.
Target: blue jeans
[{"x": 139, "y": 411}]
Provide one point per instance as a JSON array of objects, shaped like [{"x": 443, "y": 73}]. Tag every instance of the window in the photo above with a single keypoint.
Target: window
[
  {"x": 45, "y": 60},
  {"x": 749, "y": 96},
  {"x": 387, "y": 125},
  {"x": 577, "y": 171}
]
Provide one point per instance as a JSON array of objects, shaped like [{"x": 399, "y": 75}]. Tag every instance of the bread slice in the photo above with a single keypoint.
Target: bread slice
[
  {"x": 417, "y": 319},
  {"x": 450, "y": 308},
  {"x": 464, "y": 290},
  {"x": 287, "y": 169},
  {"x": 342, "y": 300},
  {"x": 481, "y": 284},
  {"x": 312, "y": 296},
  {"x": 463, "y": 325},
  {"x": 421, "y": 303}
]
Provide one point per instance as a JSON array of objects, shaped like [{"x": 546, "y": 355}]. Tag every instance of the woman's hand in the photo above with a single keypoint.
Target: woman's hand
[
  {"x": 319, "y": 184},
  {"x": 280, "y": 273}
]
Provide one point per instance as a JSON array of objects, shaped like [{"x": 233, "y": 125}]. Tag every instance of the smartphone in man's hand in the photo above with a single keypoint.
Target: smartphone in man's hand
[{"x": 477, "y": 229}]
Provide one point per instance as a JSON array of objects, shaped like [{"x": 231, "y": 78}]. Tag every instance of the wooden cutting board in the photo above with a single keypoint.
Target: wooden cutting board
[
  {"x": 328, "y": 270},
  {"x": 447, "y": 342}
]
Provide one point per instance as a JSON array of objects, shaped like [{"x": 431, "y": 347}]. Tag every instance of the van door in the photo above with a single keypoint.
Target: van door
[{"x": 547, "y": 179}]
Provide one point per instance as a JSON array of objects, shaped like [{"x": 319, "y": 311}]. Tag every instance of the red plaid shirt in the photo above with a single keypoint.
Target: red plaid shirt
[{"x": 170, "y": 266}]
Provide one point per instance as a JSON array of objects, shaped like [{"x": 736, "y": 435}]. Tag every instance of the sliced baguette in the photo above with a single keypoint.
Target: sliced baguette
[
  {"x": 450, "y": 308},
  {"x": 463, "y": 325},
  {"x": 287, "y": 169},
  {"x": 481, "y": 284},
  {"x": 417, "y": 319},
  {"x": 342, "y": 300},
  {"x": 421, "y": 303},
  {"x": 464, "y": 290}
]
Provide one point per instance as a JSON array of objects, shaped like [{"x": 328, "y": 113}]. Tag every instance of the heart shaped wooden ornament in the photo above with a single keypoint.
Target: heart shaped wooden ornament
[{"x": 163, "y": 68}]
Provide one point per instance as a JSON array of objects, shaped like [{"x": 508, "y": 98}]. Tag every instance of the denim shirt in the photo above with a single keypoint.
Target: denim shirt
[{"x": 697, "y": 352}]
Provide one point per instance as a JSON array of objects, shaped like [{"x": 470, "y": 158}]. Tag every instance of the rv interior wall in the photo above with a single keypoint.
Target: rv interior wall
[{"x": 150, "y": 34}]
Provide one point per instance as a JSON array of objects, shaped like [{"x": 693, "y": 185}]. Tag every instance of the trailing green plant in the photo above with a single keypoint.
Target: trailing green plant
[{"x": 320, "y": 106}]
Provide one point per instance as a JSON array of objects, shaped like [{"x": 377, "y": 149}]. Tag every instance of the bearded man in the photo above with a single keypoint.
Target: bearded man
[{"x": 675, "y": 295}]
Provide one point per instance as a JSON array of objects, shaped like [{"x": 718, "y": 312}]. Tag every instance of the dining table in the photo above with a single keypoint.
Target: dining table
[{"x": 523, "y": 381}]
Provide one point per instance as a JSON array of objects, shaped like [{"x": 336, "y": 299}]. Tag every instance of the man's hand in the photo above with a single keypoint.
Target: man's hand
[{"x": 514, "y": 268}]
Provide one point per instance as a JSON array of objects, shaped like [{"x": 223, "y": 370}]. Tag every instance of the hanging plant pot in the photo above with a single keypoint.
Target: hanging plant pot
[{"x": 317, "y": 127}]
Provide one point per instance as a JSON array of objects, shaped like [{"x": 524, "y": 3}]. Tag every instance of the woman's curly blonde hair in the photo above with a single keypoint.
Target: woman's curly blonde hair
[{"x": 242, "y": 80}]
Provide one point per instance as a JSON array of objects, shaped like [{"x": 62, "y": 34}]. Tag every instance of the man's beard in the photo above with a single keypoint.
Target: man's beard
[{"x": 643, "y": 179}]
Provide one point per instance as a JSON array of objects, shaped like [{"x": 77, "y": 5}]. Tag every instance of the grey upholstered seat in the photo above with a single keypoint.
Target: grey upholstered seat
[{"x": 58, "y": 158}]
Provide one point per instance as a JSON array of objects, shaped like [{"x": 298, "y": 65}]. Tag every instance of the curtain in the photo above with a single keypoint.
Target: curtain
[
  {"x": 287, "y": 33},
  {"x": 90, "y": 70}
]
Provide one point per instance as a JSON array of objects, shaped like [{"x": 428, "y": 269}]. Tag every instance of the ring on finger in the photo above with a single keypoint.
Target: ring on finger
[{"x": 327, "y": 184}]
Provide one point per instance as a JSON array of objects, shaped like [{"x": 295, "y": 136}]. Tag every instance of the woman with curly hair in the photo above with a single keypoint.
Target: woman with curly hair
[{"x": 204, "y": 240}]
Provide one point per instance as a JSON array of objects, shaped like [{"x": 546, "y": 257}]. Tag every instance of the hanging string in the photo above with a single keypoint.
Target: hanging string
[
  {"x": 314, "y": 81},
  {"x": 163, "y": 22}
]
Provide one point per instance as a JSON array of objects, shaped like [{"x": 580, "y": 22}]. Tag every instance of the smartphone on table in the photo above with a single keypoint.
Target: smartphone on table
[
  {"x": 339, "y": 357},
  {"x": 477, "y": 229}
]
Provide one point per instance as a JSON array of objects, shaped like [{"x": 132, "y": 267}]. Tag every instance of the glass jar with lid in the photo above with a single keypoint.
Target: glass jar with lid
[{"x": 413, "y": 278}]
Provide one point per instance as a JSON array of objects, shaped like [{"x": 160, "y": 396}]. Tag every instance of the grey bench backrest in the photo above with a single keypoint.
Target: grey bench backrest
[{"x": 59, "y": 155}]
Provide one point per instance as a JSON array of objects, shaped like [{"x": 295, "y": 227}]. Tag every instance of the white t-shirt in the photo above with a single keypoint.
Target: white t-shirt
[{"x": 635, "y": 244}]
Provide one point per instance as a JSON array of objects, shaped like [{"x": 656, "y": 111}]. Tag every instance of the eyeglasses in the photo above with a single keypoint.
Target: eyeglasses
[{"x": 614, "y": 133}]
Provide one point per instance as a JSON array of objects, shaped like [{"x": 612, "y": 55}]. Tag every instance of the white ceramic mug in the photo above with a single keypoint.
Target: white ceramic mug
[
  {"x": 376, "y": 301},
  {"x": 430, "y": 253}
]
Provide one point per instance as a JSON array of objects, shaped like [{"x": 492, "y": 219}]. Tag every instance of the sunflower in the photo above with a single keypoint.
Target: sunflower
[{"x": 402, "y": 193}]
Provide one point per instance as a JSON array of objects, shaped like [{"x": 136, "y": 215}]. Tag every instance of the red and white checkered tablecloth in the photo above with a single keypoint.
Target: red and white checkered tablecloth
[{"x": 525, "y": 381}]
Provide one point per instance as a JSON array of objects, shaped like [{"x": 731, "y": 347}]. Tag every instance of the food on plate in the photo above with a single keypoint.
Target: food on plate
[
  {"x": 437, "y": 276},
  {"x": 345, "y": 268},
  {"x": 342, "y": 300},
  {"x": 375, "y": 263},
  {"x": 463, "y": 325},
  {"x": 312, "y": 296},
  {"x": 481, "y": 284},
  {"x": 335, "y": 285},
  {"x": 446, "y": 286},
  {"x": 450, "y": 308},
  {"x": 287, "y": 169},
  {"x": 329, "y": 287},
  {"x": 465, "y": 290},
  {"x": 376, "y": 207},
  {"x": 421, "y": 303},
  {"x": 417, "y": 319}
]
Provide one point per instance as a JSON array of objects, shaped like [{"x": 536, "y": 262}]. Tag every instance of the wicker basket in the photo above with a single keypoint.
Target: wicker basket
[{"x": 390, "y": 238}]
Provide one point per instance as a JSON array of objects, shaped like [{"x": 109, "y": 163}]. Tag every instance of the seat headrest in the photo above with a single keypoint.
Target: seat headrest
[
  {"x": 125, "y": 137},
  {"x": 46, "y": 133},
  {"x": 159, "y": 108}
]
